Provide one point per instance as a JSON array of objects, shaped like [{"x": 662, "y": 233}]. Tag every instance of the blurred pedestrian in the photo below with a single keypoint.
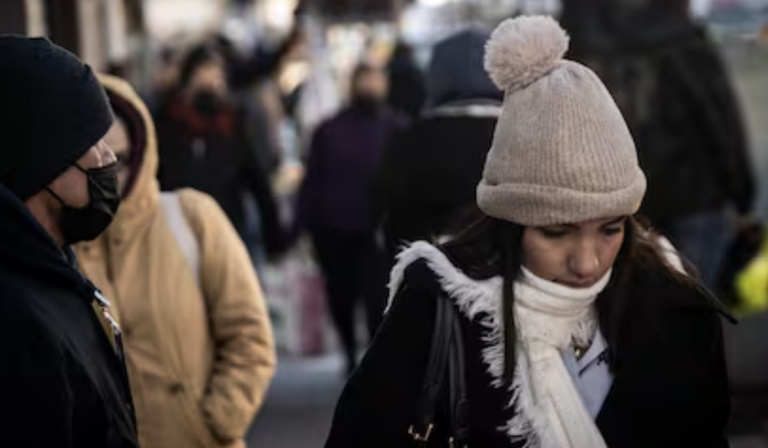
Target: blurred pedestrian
[
  {"x": 336, "y": 203},
  {"x": 197, "y": 334},
  {"x": 429, "y": 173},
  {"x": 574, "y": 327},
  {"x": 674, "y": 89},
  {"x": 591, "y": 26},
  {"x": 407, "y": 92},
  {"x": 63, "y": 383},
  {"x": 204, "y": 144}
]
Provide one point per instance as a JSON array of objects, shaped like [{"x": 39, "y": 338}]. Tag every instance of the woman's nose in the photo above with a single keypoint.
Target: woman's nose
[{"x": 584, "y": 262}]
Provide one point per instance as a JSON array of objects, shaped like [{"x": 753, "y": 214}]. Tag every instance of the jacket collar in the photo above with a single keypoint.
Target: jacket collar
[{"x": 25, "y": 244}]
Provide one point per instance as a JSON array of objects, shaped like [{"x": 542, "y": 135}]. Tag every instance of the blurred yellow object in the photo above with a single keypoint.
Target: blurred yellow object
[{"x": 751, "y": 284}]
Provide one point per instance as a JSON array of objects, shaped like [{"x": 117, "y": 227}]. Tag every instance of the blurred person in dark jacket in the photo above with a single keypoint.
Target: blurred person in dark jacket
[
  {"x": 406, "y": 82},
  {"x": 336, "y": 203},
  {"x": 429, "y": 173},
  {"x": 205, "y": 144},
  {"x": 673, "y": 87},
  {"x": 63, "y": 383},
  {"x": 589, "y": 23}
]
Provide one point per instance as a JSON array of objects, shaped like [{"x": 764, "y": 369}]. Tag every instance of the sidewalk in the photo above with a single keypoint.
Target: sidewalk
[{"x": 299, "y": 408}]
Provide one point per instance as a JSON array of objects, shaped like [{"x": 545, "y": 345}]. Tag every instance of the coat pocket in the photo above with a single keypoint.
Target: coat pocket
[{"x": 195, "y": 420}]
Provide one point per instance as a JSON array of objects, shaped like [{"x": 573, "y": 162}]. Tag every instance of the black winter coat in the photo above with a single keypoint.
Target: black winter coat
[
  {"x": 670, "y": 382},
  {"x": 61, "y": 382}
]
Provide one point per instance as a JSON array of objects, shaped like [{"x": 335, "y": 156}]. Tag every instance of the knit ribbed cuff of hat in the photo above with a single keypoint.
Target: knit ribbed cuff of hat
[{"x": 545, "y": 205}]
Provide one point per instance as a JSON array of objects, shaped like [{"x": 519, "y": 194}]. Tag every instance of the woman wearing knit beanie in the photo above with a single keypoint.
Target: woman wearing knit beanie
[{"x": 573, "y": 327}]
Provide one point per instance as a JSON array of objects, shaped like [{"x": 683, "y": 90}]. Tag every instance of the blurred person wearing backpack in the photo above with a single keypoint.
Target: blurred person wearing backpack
[{"x": 197, "y": 335}]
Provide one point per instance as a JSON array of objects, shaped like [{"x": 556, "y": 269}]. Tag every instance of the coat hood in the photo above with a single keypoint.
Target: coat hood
[
  {"x": 142, "y": 198},
  {"x": 456, "y": 71}
]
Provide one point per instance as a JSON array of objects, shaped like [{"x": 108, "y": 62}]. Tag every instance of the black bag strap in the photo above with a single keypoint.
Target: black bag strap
[
  {"x": 459, "y": 404},
  {"x": 446, "y": 359}
]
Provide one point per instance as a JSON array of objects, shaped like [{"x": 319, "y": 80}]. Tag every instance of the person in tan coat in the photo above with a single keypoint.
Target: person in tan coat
[{"x": 196, "y": 331}]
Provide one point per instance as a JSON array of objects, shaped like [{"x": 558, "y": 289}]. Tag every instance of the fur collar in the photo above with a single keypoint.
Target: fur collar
[{"x": 475, "y": 299}]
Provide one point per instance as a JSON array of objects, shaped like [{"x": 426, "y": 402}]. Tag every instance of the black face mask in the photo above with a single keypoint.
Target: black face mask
[
  {"x": 87, "y": 223},
  {"x": 206, "y": 103}
]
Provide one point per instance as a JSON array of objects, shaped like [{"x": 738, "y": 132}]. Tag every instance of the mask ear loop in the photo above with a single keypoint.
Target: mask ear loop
[{"x": 56, "y": 196}]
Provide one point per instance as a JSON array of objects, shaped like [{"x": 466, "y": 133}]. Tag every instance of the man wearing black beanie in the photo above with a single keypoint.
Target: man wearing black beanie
[{"x": 62, "y": 383}]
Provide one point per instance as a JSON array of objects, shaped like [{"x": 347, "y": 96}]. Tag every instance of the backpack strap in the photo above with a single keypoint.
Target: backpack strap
[{"x": 181, "y": 230}]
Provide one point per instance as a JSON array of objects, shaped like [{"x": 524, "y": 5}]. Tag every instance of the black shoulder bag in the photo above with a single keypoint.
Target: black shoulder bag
[{"x": 444, "y": 374}]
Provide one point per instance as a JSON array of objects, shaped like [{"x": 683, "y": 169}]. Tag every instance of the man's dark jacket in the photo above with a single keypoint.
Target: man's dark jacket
[{"x": 61, "y": 382}]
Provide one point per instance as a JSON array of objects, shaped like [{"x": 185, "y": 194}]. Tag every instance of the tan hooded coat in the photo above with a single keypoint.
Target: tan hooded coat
[{"x": 200, "y": 358}]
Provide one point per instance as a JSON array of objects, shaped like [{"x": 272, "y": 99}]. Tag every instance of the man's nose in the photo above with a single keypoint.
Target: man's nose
[{"x": 106, "y": 154}]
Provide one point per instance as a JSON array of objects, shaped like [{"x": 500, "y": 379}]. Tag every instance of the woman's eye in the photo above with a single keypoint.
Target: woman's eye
[{"x": 553, "y": 233}]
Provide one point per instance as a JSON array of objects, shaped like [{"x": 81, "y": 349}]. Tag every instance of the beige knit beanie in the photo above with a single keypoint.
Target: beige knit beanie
[{"x": 562, "y": 152}]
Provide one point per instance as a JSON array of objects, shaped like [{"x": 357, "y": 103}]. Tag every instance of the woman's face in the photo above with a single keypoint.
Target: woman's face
[
  {"x": 209, "y": 77},
  {"x": 575, "y": 255}
]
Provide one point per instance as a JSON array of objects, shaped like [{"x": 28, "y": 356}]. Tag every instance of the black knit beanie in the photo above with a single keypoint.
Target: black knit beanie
[{"x": 52, "y": 111}]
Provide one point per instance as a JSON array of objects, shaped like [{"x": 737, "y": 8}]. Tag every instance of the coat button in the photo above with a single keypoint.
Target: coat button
[{"x": 176, "y": 388}]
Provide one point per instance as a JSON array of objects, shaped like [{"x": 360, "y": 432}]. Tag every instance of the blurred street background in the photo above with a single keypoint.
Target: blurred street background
[{"x": 291, "y": 62}]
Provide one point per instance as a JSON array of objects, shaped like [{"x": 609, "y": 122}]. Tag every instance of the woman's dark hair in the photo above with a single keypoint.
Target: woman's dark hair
[{"x": 492, "y": 247}]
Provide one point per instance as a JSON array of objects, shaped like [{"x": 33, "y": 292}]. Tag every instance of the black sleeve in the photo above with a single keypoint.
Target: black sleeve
[
  {"x": 707, "y": 390},
  {"x": 37, "y": 402},
  {"x": 307, "y": 209},
  {"x": 378, "y": 404},
  {"x": 257, "y": 181},
  {"x": 259, "y": 136}
]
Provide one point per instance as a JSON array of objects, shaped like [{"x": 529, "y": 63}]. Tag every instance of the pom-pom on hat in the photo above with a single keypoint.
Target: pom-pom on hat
[{"x": 562, "y": 152}]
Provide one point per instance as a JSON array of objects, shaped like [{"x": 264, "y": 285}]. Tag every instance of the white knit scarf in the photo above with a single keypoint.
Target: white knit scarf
[{"x": 551, "y": 318}]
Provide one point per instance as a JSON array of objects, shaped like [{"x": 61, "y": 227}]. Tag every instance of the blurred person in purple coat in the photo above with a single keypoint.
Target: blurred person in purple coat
[{"x": 336, "y": 203}]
